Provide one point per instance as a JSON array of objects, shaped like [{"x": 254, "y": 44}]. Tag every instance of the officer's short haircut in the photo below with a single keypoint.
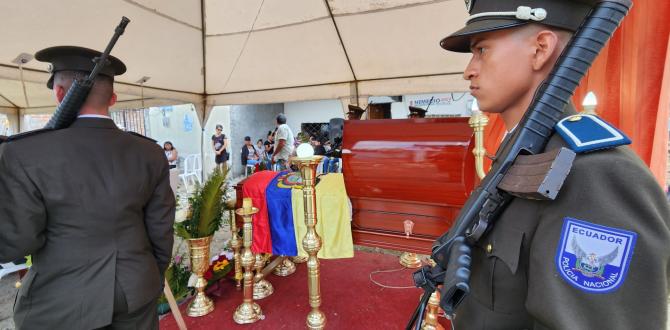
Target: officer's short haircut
[
  {"x": 102, "y": 91},
  {"x": 281, "y": 119},
  {"x": 247, "y": 138},
  {"x": 563, "y": 35}
]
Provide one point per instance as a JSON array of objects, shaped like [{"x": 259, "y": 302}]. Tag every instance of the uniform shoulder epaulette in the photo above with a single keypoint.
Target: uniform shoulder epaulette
[
  {"x": 27, "y": 134},
  {"x": 585, "y": 133},
  {"x": 142, "y": 136}
]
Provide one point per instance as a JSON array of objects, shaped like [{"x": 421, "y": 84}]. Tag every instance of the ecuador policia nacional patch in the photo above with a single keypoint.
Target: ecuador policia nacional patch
[{"x": 594, "y": 258}]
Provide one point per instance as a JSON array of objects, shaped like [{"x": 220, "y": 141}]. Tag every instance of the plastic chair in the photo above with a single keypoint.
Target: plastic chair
[
  {"x": 183, "y": 175},
  {"x": 192, "y": 170},
  {"x": 197, "y": 167},
  {"x": 10, "y": 267}
]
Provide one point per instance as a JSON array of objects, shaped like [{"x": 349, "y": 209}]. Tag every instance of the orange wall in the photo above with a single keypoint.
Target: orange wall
[{"x": 631, "y": 79}]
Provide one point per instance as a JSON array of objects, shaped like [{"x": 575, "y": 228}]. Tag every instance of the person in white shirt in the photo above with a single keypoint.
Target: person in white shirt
[{"x": 284, "y": 143}]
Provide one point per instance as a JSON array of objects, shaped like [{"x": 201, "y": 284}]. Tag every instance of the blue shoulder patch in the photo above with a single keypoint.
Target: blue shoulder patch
[
  {"x": 584, "y": 133},
  {"x": 594, "y": 258}
]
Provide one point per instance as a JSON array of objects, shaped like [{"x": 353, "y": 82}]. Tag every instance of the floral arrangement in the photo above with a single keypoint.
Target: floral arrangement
[
  {"x": 218, "y": 269},
  {"x": 206, "y": 206},
  {"x": 177, "y": 276}
]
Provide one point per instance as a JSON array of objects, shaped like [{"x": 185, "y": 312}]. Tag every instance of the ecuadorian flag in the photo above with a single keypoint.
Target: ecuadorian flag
[{"x": 280, "y": 225}]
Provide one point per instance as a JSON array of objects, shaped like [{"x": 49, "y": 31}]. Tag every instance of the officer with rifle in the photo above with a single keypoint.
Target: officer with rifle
[
  {"x": 91, "y": 204},
  {"x": 569, "y": 229}
]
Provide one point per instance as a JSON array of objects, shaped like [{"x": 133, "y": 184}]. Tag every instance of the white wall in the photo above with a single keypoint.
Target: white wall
[
  {"x": 171, "y": 123},
  {"x": 311, "y": 112},
  {"x": 444, "y": 104},
  {"x": 451, "y": 104}
]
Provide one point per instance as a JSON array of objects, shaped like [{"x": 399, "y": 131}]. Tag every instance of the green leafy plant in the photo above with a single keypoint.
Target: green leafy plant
[
  {"x": 206, "y": 207},
  {"x": 177, "y": 276}
]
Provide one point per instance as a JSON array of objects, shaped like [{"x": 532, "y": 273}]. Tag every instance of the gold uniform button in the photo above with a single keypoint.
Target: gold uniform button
[
  {"x": 489, "y": 248},
  {"x": 575, "y": 118}
]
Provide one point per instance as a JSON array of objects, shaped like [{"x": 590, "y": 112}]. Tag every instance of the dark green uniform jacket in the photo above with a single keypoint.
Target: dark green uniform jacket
[
  {"x": 93, "y": 206},
  {"x": 521, "y": 270}
]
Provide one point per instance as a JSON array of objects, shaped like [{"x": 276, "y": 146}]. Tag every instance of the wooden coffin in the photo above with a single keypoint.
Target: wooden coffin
[{"x": 406, "y": 169}]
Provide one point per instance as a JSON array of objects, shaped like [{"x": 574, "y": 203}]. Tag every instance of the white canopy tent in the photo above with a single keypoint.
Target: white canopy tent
[{"x": 218, "y": 52}]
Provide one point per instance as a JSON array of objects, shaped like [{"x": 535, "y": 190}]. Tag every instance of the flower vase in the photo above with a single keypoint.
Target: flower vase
[{"x": 198, "y": 249}]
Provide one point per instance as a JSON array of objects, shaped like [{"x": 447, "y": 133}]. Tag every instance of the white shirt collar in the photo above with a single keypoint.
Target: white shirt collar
[{"x": 94, "y": 116}]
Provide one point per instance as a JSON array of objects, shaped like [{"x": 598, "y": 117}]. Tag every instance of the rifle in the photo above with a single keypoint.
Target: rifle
[
  {"x": 451, "y": 251},
  {"x": 67, "y": 110}
]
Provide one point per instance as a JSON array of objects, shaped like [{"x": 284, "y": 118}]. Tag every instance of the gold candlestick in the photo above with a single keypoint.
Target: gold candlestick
[
  {"x": 285, "y": 268},
  {"x": 409, "y": 259},
  {"x": 432, "y": 313},
  {"x": 262, "y": 288},
  {"x": 248, "y": 311},
  {"x": 199, "y": 257},
  {"x": 316, "y": 319},
  {"x": 478, "y": 121},
  {"x": 236, "y": 243},
  {"x": 298, "y": 259}
]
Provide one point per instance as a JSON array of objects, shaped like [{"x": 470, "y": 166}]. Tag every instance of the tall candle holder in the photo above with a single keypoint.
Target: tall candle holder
[
  {"x": 262, "y": 288},
  {"x": 478, "y": 122},
  {"x": 430, "y": 321},
  {"x": 285, "y": 268},
  {"x": 409, "y": 259},
  {"x": 235, "y": 244},
  {"x": 248, "y": 311},
  {"x": 307, "y": 164}
]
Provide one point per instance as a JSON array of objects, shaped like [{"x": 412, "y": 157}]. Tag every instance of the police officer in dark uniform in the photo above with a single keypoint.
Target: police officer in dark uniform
[
  {"x": 92, "y": 205},
  {"x": 597, "y": 256},
  {"x": 416, "y": 112},
  {"x": 355, "y": 112}
]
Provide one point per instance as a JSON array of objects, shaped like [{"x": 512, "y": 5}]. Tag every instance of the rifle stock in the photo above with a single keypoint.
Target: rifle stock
[
  {"x": 68, "y": 109},
  {"x": 487, "y": 201}
]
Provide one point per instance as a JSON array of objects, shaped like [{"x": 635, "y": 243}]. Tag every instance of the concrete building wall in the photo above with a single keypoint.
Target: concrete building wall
[
  {"x": 249, "y": 120},
  {"x": 311, "y": 112}
]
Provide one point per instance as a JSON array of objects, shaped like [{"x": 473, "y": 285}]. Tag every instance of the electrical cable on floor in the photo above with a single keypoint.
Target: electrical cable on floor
[{"x": 389, "y": 286}]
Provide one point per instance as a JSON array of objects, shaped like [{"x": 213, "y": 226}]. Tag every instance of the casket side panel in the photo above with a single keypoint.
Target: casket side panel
[{"x": 414, "y": 169}]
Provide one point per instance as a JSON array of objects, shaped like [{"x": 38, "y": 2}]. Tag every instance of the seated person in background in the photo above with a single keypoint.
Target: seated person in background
[
  {"x": 299, "y": 138},
  {"x": 170, "y": 154},
  {"x": 266, "y": 155},
  {"x": 259, "y": 145},
  {"x": 250, "y": 155},
  {"x": 326, "y": 145},
  {"x": 271, "y": 139},
  {"x": 317, "y": 144}
]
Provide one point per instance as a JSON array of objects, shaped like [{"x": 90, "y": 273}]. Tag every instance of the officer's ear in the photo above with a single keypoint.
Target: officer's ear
[
  {"x": 546, "y": 45},
  {"x": 60, "y": 92},
  {"x": 112, "y": 100}
]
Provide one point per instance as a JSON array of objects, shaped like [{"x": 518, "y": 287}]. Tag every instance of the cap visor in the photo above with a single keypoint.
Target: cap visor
[
  {"x": 50, "y": 83},
  {"x": 459, "y": 41}
]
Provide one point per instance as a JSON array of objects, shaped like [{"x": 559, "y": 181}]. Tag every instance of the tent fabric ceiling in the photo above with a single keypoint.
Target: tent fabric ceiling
[{"x": 297, "y": 50}]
